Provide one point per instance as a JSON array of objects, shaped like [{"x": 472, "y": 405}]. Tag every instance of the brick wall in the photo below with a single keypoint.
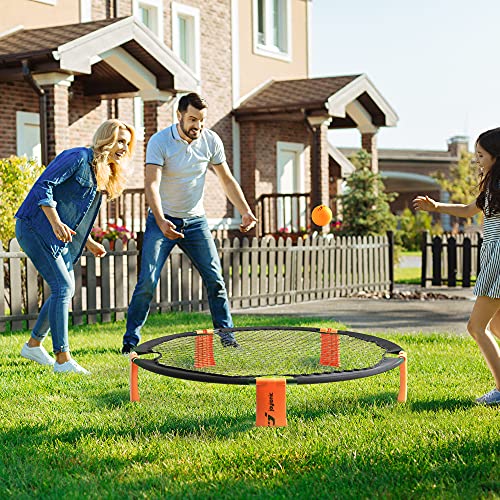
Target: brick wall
[
  {"x": 14, "y": 96},
  {"x": 268, "y": 134}
]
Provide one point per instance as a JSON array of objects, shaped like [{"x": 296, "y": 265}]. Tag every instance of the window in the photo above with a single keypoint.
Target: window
[
  {"x": 85, "y": 11},
  {"x": 28, "y": 135},
  {"x": 272, "y": 31},
  {"x": 186, "y": 35},
  {"x": 150, "y": 13}
]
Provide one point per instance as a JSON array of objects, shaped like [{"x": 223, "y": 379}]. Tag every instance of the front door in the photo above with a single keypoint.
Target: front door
[{"x": 291, "y": 212}]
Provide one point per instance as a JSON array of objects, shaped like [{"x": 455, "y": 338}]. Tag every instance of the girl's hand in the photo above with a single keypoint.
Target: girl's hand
[
  {"x": 95, "y": 248},
  {"x": 63, "y": 232},
  {"x": 425, "y": 203}
]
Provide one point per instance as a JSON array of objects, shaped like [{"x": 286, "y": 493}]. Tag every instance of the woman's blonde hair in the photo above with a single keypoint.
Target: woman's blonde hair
[{"x": 109, "y": 175}]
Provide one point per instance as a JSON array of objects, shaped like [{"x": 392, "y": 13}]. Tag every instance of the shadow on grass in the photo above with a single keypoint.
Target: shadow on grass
[
  {"x": 437, "y": 405},
  {"x": 455, "y": 468}
]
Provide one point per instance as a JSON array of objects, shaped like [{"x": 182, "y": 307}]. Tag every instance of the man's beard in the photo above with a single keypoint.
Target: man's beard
[{"x": 189, "y": 132}]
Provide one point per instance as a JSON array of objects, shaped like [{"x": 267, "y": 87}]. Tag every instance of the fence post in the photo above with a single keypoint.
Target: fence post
[
  {"x": 437, "y": 246},
  {"x": 452, "y": 261},
  {"x": 423, "y": 247},
  {"x": 466, "y": 262},
  {"x": 390, "y": 239}
]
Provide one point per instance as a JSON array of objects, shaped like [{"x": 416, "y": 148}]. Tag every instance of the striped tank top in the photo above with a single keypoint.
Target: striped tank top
[{"x": 488, "y": 280}]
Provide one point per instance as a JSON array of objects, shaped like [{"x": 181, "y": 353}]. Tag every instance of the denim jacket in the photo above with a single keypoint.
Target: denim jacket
[{"x": 68, "y": 184}]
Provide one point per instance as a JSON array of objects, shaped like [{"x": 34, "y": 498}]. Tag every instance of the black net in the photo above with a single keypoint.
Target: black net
[{"x": 271, "y": 352}]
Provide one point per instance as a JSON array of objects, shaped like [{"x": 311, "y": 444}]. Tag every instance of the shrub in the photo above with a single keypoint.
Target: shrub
[
  {"x": 410, "y": 227},
  {"x": 17, "y": 176},
  {"x": 365, "y": 204}
]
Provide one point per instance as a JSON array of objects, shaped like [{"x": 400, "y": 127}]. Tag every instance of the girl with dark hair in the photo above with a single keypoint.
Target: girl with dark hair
[{"x": 484, "y": 321}]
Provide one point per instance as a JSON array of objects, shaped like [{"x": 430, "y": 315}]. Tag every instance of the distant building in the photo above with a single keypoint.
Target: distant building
[{"x": 408, "y": 172}]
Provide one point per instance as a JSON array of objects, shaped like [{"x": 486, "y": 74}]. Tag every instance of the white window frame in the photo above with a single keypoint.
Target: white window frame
[
  {"x": 24, "y": 118},
  {"x": 157, "y": 5},
  {"x": 267, "y": 48},
  {"x": 139, "y": 118},
  {"x": 181, "y": 10},
  {"x": 85, "y": 11},
  {"x": 48, "y": 2}
]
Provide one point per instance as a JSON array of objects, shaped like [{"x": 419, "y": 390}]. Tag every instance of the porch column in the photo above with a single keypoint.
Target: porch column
[
  {"x": 248, "y": 164},
  {"x": 56, "y": 87},
  {"x": 320, "y": 178},
  {"x": 156, "y": 116},
  {"x": 369, "y": 144}
]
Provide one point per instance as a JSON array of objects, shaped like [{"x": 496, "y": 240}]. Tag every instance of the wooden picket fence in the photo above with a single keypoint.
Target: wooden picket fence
[
  {"x": 257, "y": 272},
  {"x": 450, "y": 259}
]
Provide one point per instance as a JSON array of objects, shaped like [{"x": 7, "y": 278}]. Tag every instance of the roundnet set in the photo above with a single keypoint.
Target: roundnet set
[{"x": 270, "y": 358}]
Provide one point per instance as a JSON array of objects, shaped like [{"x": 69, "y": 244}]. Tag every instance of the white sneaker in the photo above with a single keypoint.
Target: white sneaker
[
  {"x": 490, "y": 398},
  {"x": 38, "y": 354},
  {"x": 70, "y": 366}
]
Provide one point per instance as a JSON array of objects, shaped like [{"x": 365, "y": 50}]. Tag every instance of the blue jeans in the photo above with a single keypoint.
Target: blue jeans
[
  {"x": 59, "y": 275},
  {"x": 199, "y": 246}
]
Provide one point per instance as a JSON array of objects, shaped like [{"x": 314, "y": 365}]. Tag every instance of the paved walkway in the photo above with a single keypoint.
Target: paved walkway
[{"x": 385, "y": 315}]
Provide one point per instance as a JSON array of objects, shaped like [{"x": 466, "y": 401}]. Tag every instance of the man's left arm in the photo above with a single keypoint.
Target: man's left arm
[{"x": 235, "y": 195}]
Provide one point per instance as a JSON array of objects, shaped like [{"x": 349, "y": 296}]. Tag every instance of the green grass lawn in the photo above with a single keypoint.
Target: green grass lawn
[
  {"x": 407, "y": 275},
  {"x": 80, "y": 437}
]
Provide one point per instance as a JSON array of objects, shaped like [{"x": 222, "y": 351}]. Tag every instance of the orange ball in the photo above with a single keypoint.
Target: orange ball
[{"x": 321, "y": 215}]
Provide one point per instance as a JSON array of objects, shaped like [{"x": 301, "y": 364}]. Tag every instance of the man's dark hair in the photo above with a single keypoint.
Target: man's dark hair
[{"x": 192, "y": 99}]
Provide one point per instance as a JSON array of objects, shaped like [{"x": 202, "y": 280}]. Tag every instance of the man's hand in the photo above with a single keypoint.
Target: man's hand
[
  {"x": 168, "y": 229},
  {"x": 248, "y": 222}
]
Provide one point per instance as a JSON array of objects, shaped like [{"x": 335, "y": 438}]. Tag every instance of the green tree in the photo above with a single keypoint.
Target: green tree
[
  {"x": 461, "y": 181},
  {"x": 410, "y": 228},
  {"x": 365, "y": 204},
  {"x": 17, "y": 175}
]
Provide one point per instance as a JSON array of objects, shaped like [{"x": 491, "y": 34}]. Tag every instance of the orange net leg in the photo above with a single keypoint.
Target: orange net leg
[
  {"x": 134, "y": 383},
  {"x": 403, "y": 378},
  {"x": 271, "y": 402},
  {"x": 330, "y": 347},
  {"x": 204, "y": 349}
]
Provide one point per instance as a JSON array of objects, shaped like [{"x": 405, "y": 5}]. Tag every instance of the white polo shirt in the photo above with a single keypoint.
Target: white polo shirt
[{"x": 184, "y": 166}]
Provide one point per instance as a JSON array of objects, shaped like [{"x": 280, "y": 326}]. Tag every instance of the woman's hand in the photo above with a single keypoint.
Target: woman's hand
[
  {"x": 95, "y": 248},
  {"x": 248, "y": 221},
  {"x": 425, "y": 203},
  {"x": 63, "y": 232}
]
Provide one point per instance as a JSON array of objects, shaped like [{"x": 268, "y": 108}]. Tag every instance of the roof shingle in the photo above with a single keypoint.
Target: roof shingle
[
  {"x": 301, "y": 93},
  {"x": 42, "y": 40}
]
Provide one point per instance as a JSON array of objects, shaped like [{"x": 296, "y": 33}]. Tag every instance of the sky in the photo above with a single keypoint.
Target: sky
[{"x": 436, "y": 62}]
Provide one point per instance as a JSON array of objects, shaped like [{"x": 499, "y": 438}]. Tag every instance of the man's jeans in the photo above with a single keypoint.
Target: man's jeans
[
  {"x": 59, "y": 275},
  {"x": 199, "y": 246}
]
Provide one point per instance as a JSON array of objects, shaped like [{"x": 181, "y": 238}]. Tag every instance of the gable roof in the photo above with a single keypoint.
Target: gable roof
[
  {"x": 101, "y": 49},
  {"x": 307, "y": 93},
  {"x": 30, "y": 43},
  {"x": 351, "y": 101}
]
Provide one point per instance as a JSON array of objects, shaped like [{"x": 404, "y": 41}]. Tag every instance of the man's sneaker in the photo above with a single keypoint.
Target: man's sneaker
[
  {"x": 228, "y": 340},
  {"x": 38, "y": 354},
  {"x": 491, "y": 398},
  {"x": 127, "y": 349},
  {"x": 70, "y": 366}
]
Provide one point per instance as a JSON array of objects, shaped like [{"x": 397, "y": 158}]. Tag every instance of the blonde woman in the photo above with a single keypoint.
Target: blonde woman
[{"x": 53, "y": 227}]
